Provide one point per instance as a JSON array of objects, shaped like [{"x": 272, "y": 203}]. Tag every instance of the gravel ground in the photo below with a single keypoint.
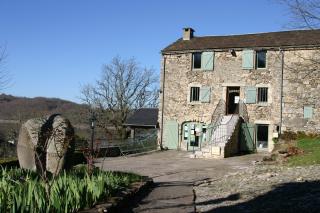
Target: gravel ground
[{"x": 262, "y": 188}]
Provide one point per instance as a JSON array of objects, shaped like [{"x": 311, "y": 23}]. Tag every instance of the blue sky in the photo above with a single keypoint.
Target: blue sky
[{"x": 54, "y": 47}]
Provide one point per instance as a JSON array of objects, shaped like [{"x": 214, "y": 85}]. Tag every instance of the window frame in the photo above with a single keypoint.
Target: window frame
[
  {"x": 193, "y": 60},
  {"x": 256, "y": 59},
  {"x": 308, "y": 107},
  {"x": 191, "y": 100},
  {"x": 263, "y": 96},
  {"x": 202, "y": 56}
]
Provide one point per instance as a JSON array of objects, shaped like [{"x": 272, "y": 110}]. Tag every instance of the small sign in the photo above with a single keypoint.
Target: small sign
[
  {"x": 236, "y": 99},
  {"x": 186, "y": 134}
]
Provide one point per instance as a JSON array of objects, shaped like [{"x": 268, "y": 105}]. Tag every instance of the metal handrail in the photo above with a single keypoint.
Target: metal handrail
[
  {"x": 216, "y": 123},
  {"x": 243, "y": 111},
  {"x": 219, "y": 111},
  {"x": 224, "y": 133}
]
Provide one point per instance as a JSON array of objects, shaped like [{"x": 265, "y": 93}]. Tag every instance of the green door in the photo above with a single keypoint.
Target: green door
[
  {"x": 171, "y": 136},
  {"x": 247, "y": 137}
]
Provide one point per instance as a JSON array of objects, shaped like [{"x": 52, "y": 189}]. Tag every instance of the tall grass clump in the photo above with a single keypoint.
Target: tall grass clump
[{"x": 25, "y": 191}]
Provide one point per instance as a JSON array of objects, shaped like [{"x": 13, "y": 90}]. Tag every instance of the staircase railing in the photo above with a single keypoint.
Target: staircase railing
[
  {"x": 216, "y": 119},
  {"x": 219, "y": 111},
  {"x": 222, "y": 131},
  {"x": 243, "y": 111},
  {"x": 219, "y": 132}
]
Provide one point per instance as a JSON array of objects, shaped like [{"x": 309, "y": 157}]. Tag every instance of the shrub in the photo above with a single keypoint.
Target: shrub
[{"x": 288, "y": 135}]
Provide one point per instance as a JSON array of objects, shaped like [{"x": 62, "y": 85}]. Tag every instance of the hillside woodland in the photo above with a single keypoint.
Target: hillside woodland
[{"x": 16, "y": 110}]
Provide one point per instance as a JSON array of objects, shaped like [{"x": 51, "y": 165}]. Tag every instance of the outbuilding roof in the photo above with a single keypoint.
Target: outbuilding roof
[
  {"x": 296, "y": 38},
  {"x": 144, "y": 117}
]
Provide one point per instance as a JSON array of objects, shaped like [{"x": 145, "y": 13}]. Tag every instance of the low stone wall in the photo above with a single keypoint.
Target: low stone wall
[{"x": 9, "y": 163}]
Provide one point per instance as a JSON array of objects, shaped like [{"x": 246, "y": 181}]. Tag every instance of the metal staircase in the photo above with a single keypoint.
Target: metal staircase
[{"x": 221, "y": 132}]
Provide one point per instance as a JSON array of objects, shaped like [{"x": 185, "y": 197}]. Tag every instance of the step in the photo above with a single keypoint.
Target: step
[{"x": 205, "y": 149}]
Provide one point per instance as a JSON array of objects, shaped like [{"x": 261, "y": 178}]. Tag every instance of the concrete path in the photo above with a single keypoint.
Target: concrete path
[{"x": 174, "y": 174}]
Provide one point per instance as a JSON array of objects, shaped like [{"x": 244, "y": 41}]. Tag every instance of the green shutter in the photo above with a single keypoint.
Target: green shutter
[
  {"x": 251, "y": 95},
  {"x": 247, "y": 59},
  {"x": 307, "y": 111},
  {"x": 205, "y": 93},
  {"x": 207, "y": 60},
  {"x": 171, "y": 134}
]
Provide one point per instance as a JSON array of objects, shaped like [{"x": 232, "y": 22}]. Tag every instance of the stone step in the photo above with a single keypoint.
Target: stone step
[{"x": 205, "y": 149}]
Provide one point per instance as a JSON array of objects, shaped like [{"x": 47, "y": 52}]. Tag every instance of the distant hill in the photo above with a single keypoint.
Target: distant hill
[{"x": 15, "y": 110}]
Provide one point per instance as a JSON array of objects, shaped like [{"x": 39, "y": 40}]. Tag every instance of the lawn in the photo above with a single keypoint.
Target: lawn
[{"x": 311, "y": 155}]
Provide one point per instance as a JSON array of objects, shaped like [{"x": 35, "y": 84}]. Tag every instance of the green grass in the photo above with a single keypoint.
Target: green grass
[
  {"x": 24, "y": 190},
  {"x": 311, "y": 155}
]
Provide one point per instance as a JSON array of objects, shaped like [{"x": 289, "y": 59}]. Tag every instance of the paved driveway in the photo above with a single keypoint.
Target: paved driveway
[{"x": 174, "y": 174}]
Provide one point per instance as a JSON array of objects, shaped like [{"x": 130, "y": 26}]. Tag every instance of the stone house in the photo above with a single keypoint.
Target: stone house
[{"x": 221, "y": 95}]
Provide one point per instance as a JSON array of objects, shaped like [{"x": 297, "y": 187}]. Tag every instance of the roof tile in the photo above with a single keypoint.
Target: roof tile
[{"x": 272, "y": 39}]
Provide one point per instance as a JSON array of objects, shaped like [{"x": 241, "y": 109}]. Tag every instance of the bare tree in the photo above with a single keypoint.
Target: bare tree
[
  {"x": 305, "y": 14},
  {"x": 122, "y": 87},
  {"x": 4, "y": 76}
]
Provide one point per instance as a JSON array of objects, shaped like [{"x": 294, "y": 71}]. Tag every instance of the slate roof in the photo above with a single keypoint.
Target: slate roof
[
  {"x": 273, "y": 39},
  {"x": 147, "y": 117}
]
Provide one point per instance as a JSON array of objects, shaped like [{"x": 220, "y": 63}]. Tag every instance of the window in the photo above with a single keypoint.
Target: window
[
  {"x": 261, "y": 57},
  {"x": 200, "y": 94},
  {"x": 194, "y": 94},
  {"x": 252, "y": 59},
  {"x": 307, "y": 111},
  {"x": 263, "y": 94},
  {"x": 203, "y": 61},
  {"x": 196, "y": 60}
]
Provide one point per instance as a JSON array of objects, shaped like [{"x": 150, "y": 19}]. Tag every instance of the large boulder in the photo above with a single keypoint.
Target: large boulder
[{"x": 45, "y": 143}]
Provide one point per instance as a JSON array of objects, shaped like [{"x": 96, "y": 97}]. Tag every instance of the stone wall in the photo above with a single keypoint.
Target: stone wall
[
  {"x": 179, "y": 77},
  {"x": 301, "y": 88}
]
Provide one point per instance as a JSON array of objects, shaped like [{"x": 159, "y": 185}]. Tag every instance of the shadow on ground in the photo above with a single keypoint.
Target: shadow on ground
[
  {"x": 288, "y": 197},
  {"x": 173, "y": 196}
]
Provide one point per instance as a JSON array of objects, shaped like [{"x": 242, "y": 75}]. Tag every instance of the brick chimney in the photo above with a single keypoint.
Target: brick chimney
[{"x": 187, "y": 33}]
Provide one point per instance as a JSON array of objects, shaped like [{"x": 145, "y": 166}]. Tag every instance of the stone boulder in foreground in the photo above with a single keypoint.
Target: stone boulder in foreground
[{"x": 45, "y": 143}]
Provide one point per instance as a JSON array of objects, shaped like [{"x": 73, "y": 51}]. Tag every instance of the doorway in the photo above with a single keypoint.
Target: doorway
[
  {"x": 232, "y": 100},
  {"x": 194, "y": 134},
  {"x": 262, "y": 136}
]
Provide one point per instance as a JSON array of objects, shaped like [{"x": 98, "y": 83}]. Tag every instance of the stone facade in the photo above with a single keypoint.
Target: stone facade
[{"x": 299, "y": 89}]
